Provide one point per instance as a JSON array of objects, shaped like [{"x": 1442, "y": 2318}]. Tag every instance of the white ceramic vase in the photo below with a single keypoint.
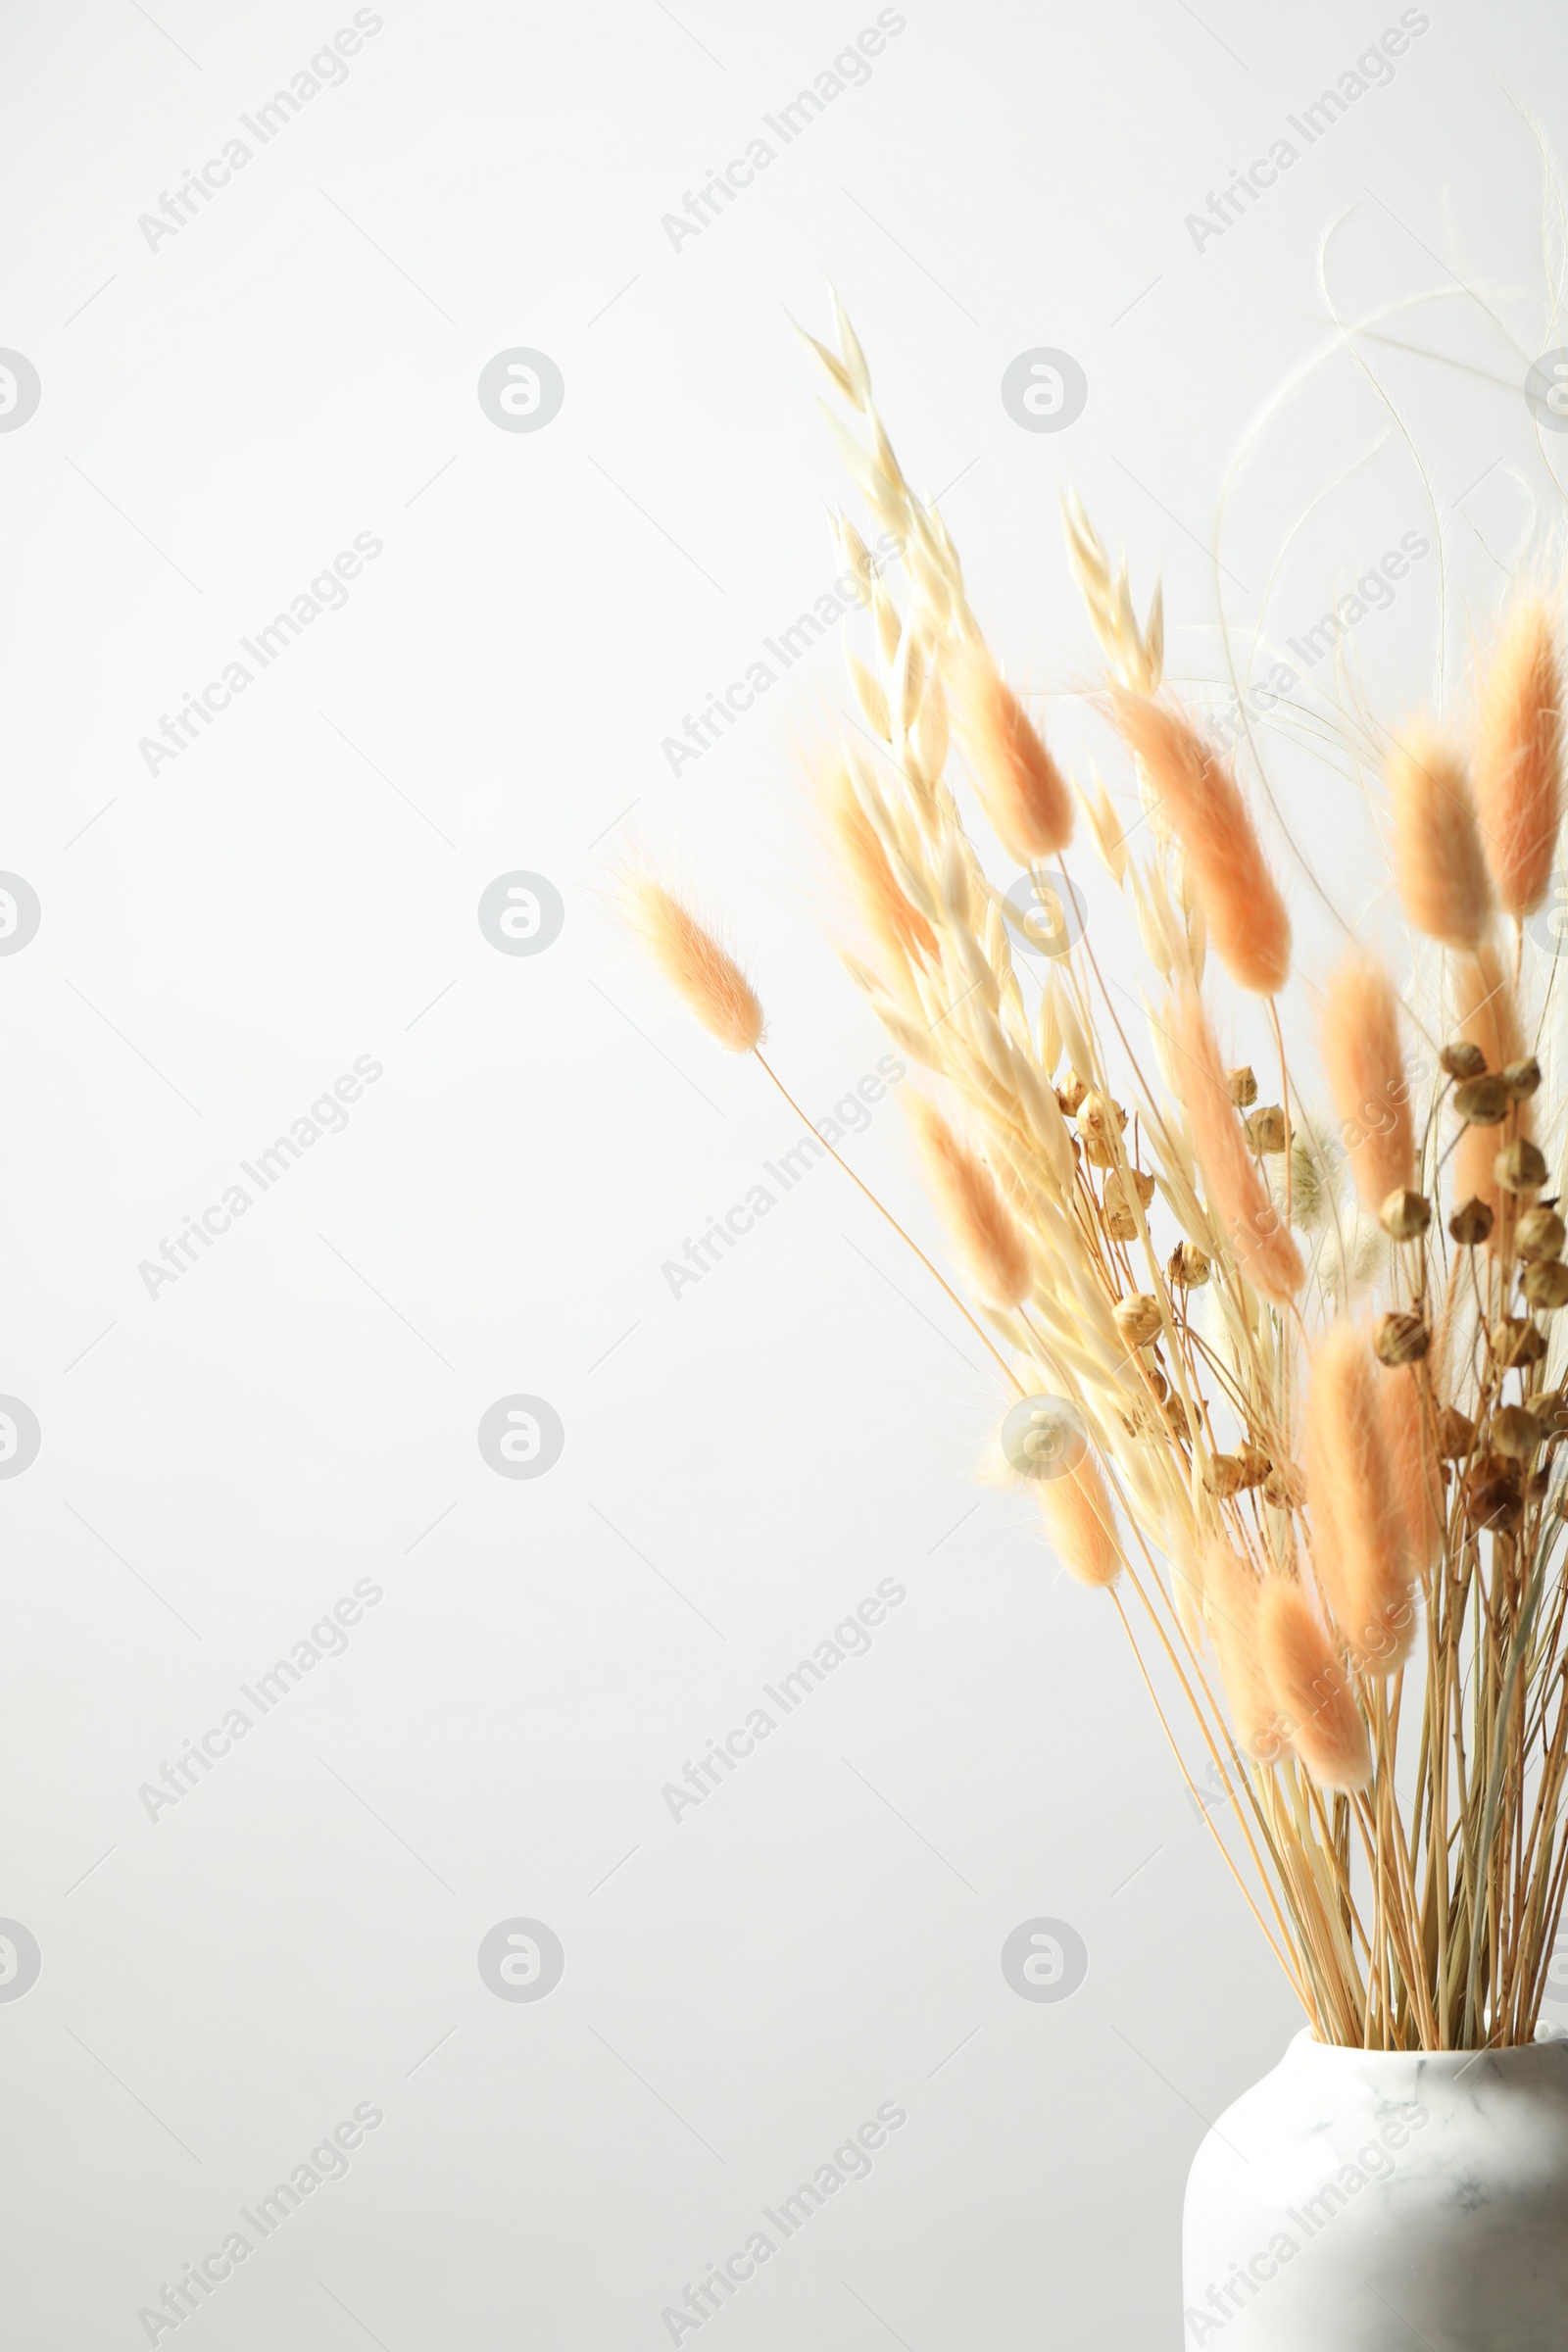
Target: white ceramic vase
[{"x": 1372, "y": 2202}]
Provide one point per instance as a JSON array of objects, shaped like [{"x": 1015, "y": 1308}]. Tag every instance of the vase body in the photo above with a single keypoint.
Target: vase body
[{"x": 1375, "y": 2201}]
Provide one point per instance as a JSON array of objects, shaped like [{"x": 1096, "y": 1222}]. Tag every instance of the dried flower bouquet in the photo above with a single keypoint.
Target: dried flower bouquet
[{"x": 1287, "y": 1385}]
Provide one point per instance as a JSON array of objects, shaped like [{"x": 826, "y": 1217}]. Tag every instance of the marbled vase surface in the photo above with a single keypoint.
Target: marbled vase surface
[{"x": 1372, "y": 2202}]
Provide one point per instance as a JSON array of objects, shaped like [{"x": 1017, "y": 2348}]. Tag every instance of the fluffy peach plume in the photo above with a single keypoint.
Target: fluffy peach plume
[
  {"x": 1078, "y": 1516},
  {"x": 1238, "y": 1197},
  {"x": 979, "y": 1219},
  {"x": 899, "y": 929},
  {"x": 1248, "y": 924},
  {"x": 1438, "y": 860},
  {"x": 1231, "y": 1596},
  {"x": 1186, "y": 1586},
  {"x": 1327, "y": 1557},
  {"x": 1364, "y": 1565},
  {"x": 1409, "y": 1436},
  {"x": 697, "y": 967},
  {"x": 1488, "y": 1017},
  {"x": 1308, "y": 1687},
  {"x": 1519, "y": 760},
  {"x": 1366, "y": 1078},
  {"x": 1024, "y": 791}
]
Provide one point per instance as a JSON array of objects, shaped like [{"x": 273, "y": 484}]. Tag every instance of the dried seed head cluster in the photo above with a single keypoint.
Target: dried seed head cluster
[{"x": 1320, "y": 1358}]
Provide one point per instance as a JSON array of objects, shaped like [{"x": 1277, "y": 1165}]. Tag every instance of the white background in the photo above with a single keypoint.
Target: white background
[{"x": 220, "y": 1462}]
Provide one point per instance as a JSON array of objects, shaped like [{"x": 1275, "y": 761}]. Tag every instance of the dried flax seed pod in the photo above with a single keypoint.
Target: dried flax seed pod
[
  {"x": 1515, "y": 1433},
  {"x": 1285, "y": 1487},
  {"x": 1546, "y": 1284},
  {"x": 1551, "y": 1409},
  {"x": 1121, "y": 1221},
  {"x": 1461, "y": 1060},
  {"x": 1493, "y": 1499},
  {"x": 1520, "y": 1166},
  {"x": 1456, "y": 1434},
  {"x": 1255, "y": 1467},
  {"x": 1471, "y": 1223},
  {"x": 1188, "y": 1268},
  {"x": 1267, "y": 1131},
  {"x": 1405, "y": 1217},
  {"x": 1139, "y": 1319},
  {"x": 1540, "y": 1234},
  {"x": 1483, "y": 1101},
  {"x": 1099, "y": 1124},
  {"x": 1402, "y": 1337},
  {"x": 1517, "y": 1341}
]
